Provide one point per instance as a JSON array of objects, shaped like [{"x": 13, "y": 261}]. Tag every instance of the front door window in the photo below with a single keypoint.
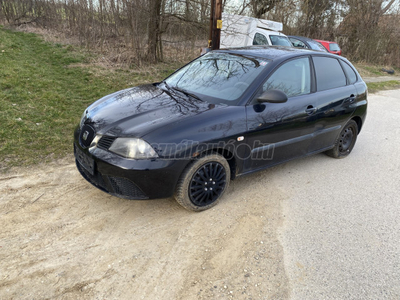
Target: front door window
[
  {"x": 293, "y": 78},
  {"x": 260, "y": 39}
]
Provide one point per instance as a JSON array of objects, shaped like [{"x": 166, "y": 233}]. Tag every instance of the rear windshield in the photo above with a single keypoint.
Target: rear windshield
[
  {"x": 280, "y": 40},
  {"x": 334, "y": 47}
]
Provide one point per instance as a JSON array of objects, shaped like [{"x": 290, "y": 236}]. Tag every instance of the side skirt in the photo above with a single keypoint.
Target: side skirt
[{"x": 285, "y": 161}]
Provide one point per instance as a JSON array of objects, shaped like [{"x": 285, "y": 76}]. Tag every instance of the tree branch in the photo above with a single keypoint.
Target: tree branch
[{"x": 387, "y": 7}]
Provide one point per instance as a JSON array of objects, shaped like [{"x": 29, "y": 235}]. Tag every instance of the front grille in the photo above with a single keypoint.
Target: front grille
[
  {"x": 126, "y": 189},
  {"x": 105, "y": 142}
]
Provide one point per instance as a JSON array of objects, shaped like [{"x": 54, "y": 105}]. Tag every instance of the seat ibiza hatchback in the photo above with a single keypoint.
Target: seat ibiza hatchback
[{"x": 223, "y": 115}]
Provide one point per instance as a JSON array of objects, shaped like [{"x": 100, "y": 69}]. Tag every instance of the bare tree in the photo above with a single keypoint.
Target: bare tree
[
  {"x": 134, "y": 32},
  {"x": 366, "y": 38},
  {"x": 260, "y": 7}
]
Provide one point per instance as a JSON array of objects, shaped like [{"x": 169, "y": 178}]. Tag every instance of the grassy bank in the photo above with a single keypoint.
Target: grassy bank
[
  {"x": 368, "y": 70},
  {"x": 374, "y": 87},
  {"x": 44, "y": 89}
]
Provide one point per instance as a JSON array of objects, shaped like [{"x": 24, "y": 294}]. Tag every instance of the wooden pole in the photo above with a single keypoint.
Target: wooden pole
[
  {"x": 212, "y": 12},
  {"x": 215, "y": 24}
]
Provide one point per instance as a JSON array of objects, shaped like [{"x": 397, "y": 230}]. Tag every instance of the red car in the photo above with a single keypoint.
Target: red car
[{"x": 332, "y": 47}]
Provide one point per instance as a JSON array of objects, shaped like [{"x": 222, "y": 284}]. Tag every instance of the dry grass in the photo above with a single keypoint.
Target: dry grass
[
  {"x": 369, "y": 70},
  {"x": 114, "y": 53}
]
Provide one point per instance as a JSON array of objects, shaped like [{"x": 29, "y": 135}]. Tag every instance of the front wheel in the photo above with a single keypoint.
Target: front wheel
[
  {"x": 203, "y": 183},
  {"x": 345, "y": 141}
]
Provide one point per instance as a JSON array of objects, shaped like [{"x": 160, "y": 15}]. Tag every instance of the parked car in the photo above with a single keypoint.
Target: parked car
[
  {"x": 241, "y": 31},
  {"x": 226, "y": 114},
  {"x": 332, "y": 47},
  {"x": 307, "y": 43}
]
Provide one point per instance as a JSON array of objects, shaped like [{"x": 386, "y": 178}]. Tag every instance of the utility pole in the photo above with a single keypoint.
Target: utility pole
[{"x": 215, "y": 24}]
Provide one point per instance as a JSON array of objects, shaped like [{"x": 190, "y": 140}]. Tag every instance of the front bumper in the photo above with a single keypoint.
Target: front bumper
[{"x": 129, "y": 178}]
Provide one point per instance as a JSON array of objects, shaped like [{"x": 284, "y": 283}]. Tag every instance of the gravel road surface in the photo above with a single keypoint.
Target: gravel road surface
[
  {"x": 341, "y": 229},
  {"x": 315, "y": 228},
  {"x": 381, "y": 78}
]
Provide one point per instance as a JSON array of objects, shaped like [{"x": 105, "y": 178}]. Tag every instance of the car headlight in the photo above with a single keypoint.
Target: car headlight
[{"x": 132, "y": 148}]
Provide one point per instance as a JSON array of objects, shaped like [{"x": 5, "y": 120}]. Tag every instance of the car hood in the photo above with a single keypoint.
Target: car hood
[{"x": 139, "y": 110}]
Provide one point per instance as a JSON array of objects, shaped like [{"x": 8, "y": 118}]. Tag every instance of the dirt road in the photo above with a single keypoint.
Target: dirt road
[
  {"x": 314, "y": 228},
  {"x": 61, "y": 238},
  {"x": 381, "y": 78}
]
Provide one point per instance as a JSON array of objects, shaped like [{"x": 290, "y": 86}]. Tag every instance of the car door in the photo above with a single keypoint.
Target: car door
[
  {"x": 335, "y": 95},
  {"x": 282, "y": 131}
]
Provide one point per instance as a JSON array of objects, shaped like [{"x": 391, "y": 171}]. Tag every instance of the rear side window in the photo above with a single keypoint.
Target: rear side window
[
  {"x": 260, "y": 39},
  {"x": 329, "y": 73},
  {"x": 351, "y": 75}
]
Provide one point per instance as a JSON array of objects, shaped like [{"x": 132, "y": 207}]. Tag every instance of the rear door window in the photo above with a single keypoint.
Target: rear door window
[{"x": 329, "y": 73}]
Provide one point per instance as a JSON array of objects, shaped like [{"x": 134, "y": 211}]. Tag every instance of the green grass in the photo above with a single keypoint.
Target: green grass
[
  {"x": 374, "y": 70},
  {"x": 367, "y": 70},
  {"x": 44, "y": 89},
  {"x": 374, "y": 87}
]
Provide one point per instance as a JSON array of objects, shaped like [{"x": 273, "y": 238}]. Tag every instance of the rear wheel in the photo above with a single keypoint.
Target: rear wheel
[
  {"x": 345, "y": 141},
  {"x": 203, "y": 183}
]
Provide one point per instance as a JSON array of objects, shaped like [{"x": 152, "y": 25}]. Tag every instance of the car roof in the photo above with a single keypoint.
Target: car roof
[
  {"x": 300, "y": 37},
  {"x": 329, "y": 42},
  {"x": 272, "y": 52}
]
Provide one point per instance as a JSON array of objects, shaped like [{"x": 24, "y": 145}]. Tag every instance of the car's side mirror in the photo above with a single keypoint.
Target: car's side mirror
[{"x": 272, "y": 96}]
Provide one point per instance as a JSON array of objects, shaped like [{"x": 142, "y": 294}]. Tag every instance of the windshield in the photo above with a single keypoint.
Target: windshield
[
  {"x": 218, "y": 77},
  {"x": 317, "y": 46},
  {"x": 280, "y": 40},
  {"x": 334, "y": 47}
]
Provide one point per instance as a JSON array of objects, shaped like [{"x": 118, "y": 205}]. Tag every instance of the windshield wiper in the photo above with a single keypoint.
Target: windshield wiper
[
  {"x": 175, "y": 89},
  {"x": 167, "y": 86},
  {"x": 186, "y": 93}
]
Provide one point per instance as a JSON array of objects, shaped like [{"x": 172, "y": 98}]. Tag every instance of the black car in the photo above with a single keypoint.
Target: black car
[
  {"x": 306, "y": 43},
  {"x": 223, "y": 115}
]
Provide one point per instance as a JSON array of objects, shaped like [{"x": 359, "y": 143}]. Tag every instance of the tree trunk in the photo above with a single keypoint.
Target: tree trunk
[{"x": 153, "y": 30}]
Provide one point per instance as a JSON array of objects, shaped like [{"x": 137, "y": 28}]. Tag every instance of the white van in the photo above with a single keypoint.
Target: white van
[{"x": 240, "y": 31}]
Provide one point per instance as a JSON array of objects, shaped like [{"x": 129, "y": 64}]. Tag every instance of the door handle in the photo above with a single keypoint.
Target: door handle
[
  {"x": 310, "y": 109},
  {"x": 351, "y": 99}
]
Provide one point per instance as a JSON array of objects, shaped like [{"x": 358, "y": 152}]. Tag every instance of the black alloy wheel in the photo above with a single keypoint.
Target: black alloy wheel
[
  {"x": 207, "y": 184},
  {"x": 203, "y": 182}
]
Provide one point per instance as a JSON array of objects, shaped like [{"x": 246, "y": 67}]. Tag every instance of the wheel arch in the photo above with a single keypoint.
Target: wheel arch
[
  {"x": 358, "y": 120},
  {"x": 228, "y": 155}
]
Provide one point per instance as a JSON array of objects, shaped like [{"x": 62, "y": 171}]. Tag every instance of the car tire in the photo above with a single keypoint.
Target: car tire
[
  {"x": 345, "y": 141},
  {"x": 203, "y": 182}
]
